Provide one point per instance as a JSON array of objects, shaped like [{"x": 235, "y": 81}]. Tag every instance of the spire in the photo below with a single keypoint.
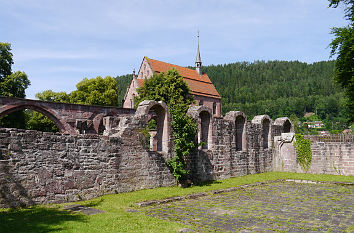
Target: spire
[
  {"x": 134, "y": 77},
  {"x": 198, "y": 61}
]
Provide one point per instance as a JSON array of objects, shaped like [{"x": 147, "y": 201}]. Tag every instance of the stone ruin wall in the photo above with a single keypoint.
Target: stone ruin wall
[
  {"x": 332, "y": 155},
  {"x": 224, "y": 161},
  {"x": 39, "y": 167}
]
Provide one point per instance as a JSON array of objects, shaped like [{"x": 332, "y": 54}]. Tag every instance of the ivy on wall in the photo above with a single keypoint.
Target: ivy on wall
[
  {"x": 174, "y": 91},
  {"x": 303, "y": 151}
]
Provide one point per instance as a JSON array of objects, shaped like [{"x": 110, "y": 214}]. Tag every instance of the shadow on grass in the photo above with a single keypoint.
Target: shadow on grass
[
  {"x": 36, "y": 219},
  {"x": 207, "y": 183},
  {"x": 93, "y": 203}
]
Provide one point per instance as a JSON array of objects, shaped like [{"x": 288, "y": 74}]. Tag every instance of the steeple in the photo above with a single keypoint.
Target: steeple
[
  {"x": 134, "y": 77},
  {"x": 198, "y": 61}
]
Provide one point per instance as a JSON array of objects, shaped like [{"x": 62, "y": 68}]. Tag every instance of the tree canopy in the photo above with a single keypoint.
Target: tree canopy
[
  {"x": 96, "y": 91},
  {"x": 343, "y": 46},
  {"x": 168, "y": 87},
  {"x": 6, "y": 60},
  {"x": 49, "y": 95},
  {"x": 11, "y": 84}
]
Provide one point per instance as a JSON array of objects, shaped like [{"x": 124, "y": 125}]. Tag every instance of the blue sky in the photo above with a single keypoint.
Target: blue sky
[{"x": 58, "y": 43}]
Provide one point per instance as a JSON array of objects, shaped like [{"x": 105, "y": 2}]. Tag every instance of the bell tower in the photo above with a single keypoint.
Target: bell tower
[{"x": 198, "y": 61}]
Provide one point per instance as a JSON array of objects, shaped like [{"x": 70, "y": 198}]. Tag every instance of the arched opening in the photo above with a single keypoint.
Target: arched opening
[
  {"x": 240, "y": 133},
  {"x": 151, "y": 128},
  {"x": 266, "y": 132},
  {"x": 35, "y": 118},
  {"x": 14, "y": 120},
  {"x": 287, "y": 127},
  {"x": 204, "y": 135},
  {"x": 158, "y": 128}
]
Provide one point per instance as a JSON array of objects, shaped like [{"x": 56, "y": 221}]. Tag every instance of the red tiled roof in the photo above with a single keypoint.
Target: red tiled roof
[
  {"x": 141, "y": 82},
  {"x": 199, "y": 84}
]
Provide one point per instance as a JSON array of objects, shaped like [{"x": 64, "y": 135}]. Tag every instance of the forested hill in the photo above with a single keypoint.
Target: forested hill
[{"x": 276, "y": 88}]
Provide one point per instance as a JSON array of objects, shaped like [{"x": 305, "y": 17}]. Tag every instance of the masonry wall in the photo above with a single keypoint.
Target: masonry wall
[
  {"x": 328, "y": 157},
  {"x": 223, "y": 161},
  {"x": 37, "y": 167}
]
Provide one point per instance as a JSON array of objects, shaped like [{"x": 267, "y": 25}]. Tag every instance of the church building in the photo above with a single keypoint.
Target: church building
[{"x": 202, "y": 88}]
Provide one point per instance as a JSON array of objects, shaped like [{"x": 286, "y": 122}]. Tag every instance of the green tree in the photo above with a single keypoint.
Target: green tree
[
  {"x": 49, "y": 95},
  {"x": 13, "y": 85},
  {"x": 36, "y": 120},
  {"x": 6, "y": 60},
  {"x": 174, "y": 91},
  {"x": 96, "y": 91},
  {"x": 343, "y": 45}
]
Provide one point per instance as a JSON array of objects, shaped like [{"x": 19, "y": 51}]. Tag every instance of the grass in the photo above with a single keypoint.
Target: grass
[{"x": 45, "y": 218}]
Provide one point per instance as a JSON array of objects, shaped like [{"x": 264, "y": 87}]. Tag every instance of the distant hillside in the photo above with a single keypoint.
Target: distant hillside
[{"x": 276, "y": 88}]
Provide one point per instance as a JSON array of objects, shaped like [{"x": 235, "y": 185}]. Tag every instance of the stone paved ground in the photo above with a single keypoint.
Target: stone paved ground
[{"x": 274, "y": 207}]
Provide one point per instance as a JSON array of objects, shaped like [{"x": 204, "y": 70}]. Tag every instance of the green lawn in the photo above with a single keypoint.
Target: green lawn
[{"x": 45, "y": 218}]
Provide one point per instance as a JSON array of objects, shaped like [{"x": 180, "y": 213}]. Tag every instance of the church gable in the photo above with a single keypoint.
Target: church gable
[{"x": 145, "y": 70}]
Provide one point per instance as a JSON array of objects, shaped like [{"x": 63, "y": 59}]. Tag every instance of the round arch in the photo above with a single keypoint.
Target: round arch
[
  {"x": 239, "y": 120},
  {"x": 162, "y": 118},
  {"x": 37, "y": 109},
  {"x": 285, "y": 124},
  {"x": 266, "y": 124},
  {"x": 204, "y": 117}
]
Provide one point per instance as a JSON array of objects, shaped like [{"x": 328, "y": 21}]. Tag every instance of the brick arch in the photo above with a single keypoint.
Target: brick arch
[
  {"x": 162, "y": 118},
  {"x": 46, "y": 112}
]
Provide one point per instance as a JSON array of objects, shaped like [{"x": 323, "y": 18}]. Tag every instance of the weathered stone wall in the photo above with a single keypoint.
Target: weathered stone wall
[
  {"x": 329, "y": 157},
  {"x": 223, "y": 161},
  {"x": 37, "y": 167}
]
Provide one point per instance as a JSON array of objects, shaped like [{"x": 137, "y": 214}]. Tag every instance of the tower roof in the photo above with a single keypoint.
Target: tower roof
[{"x": 198, "y": 59}]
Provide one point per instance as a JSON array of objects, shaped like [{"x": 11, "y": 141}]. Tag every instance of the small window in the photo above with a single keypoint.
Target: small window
[
  {"x": 214, "y": 108},
  {"x": 200, "y": 102}
]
